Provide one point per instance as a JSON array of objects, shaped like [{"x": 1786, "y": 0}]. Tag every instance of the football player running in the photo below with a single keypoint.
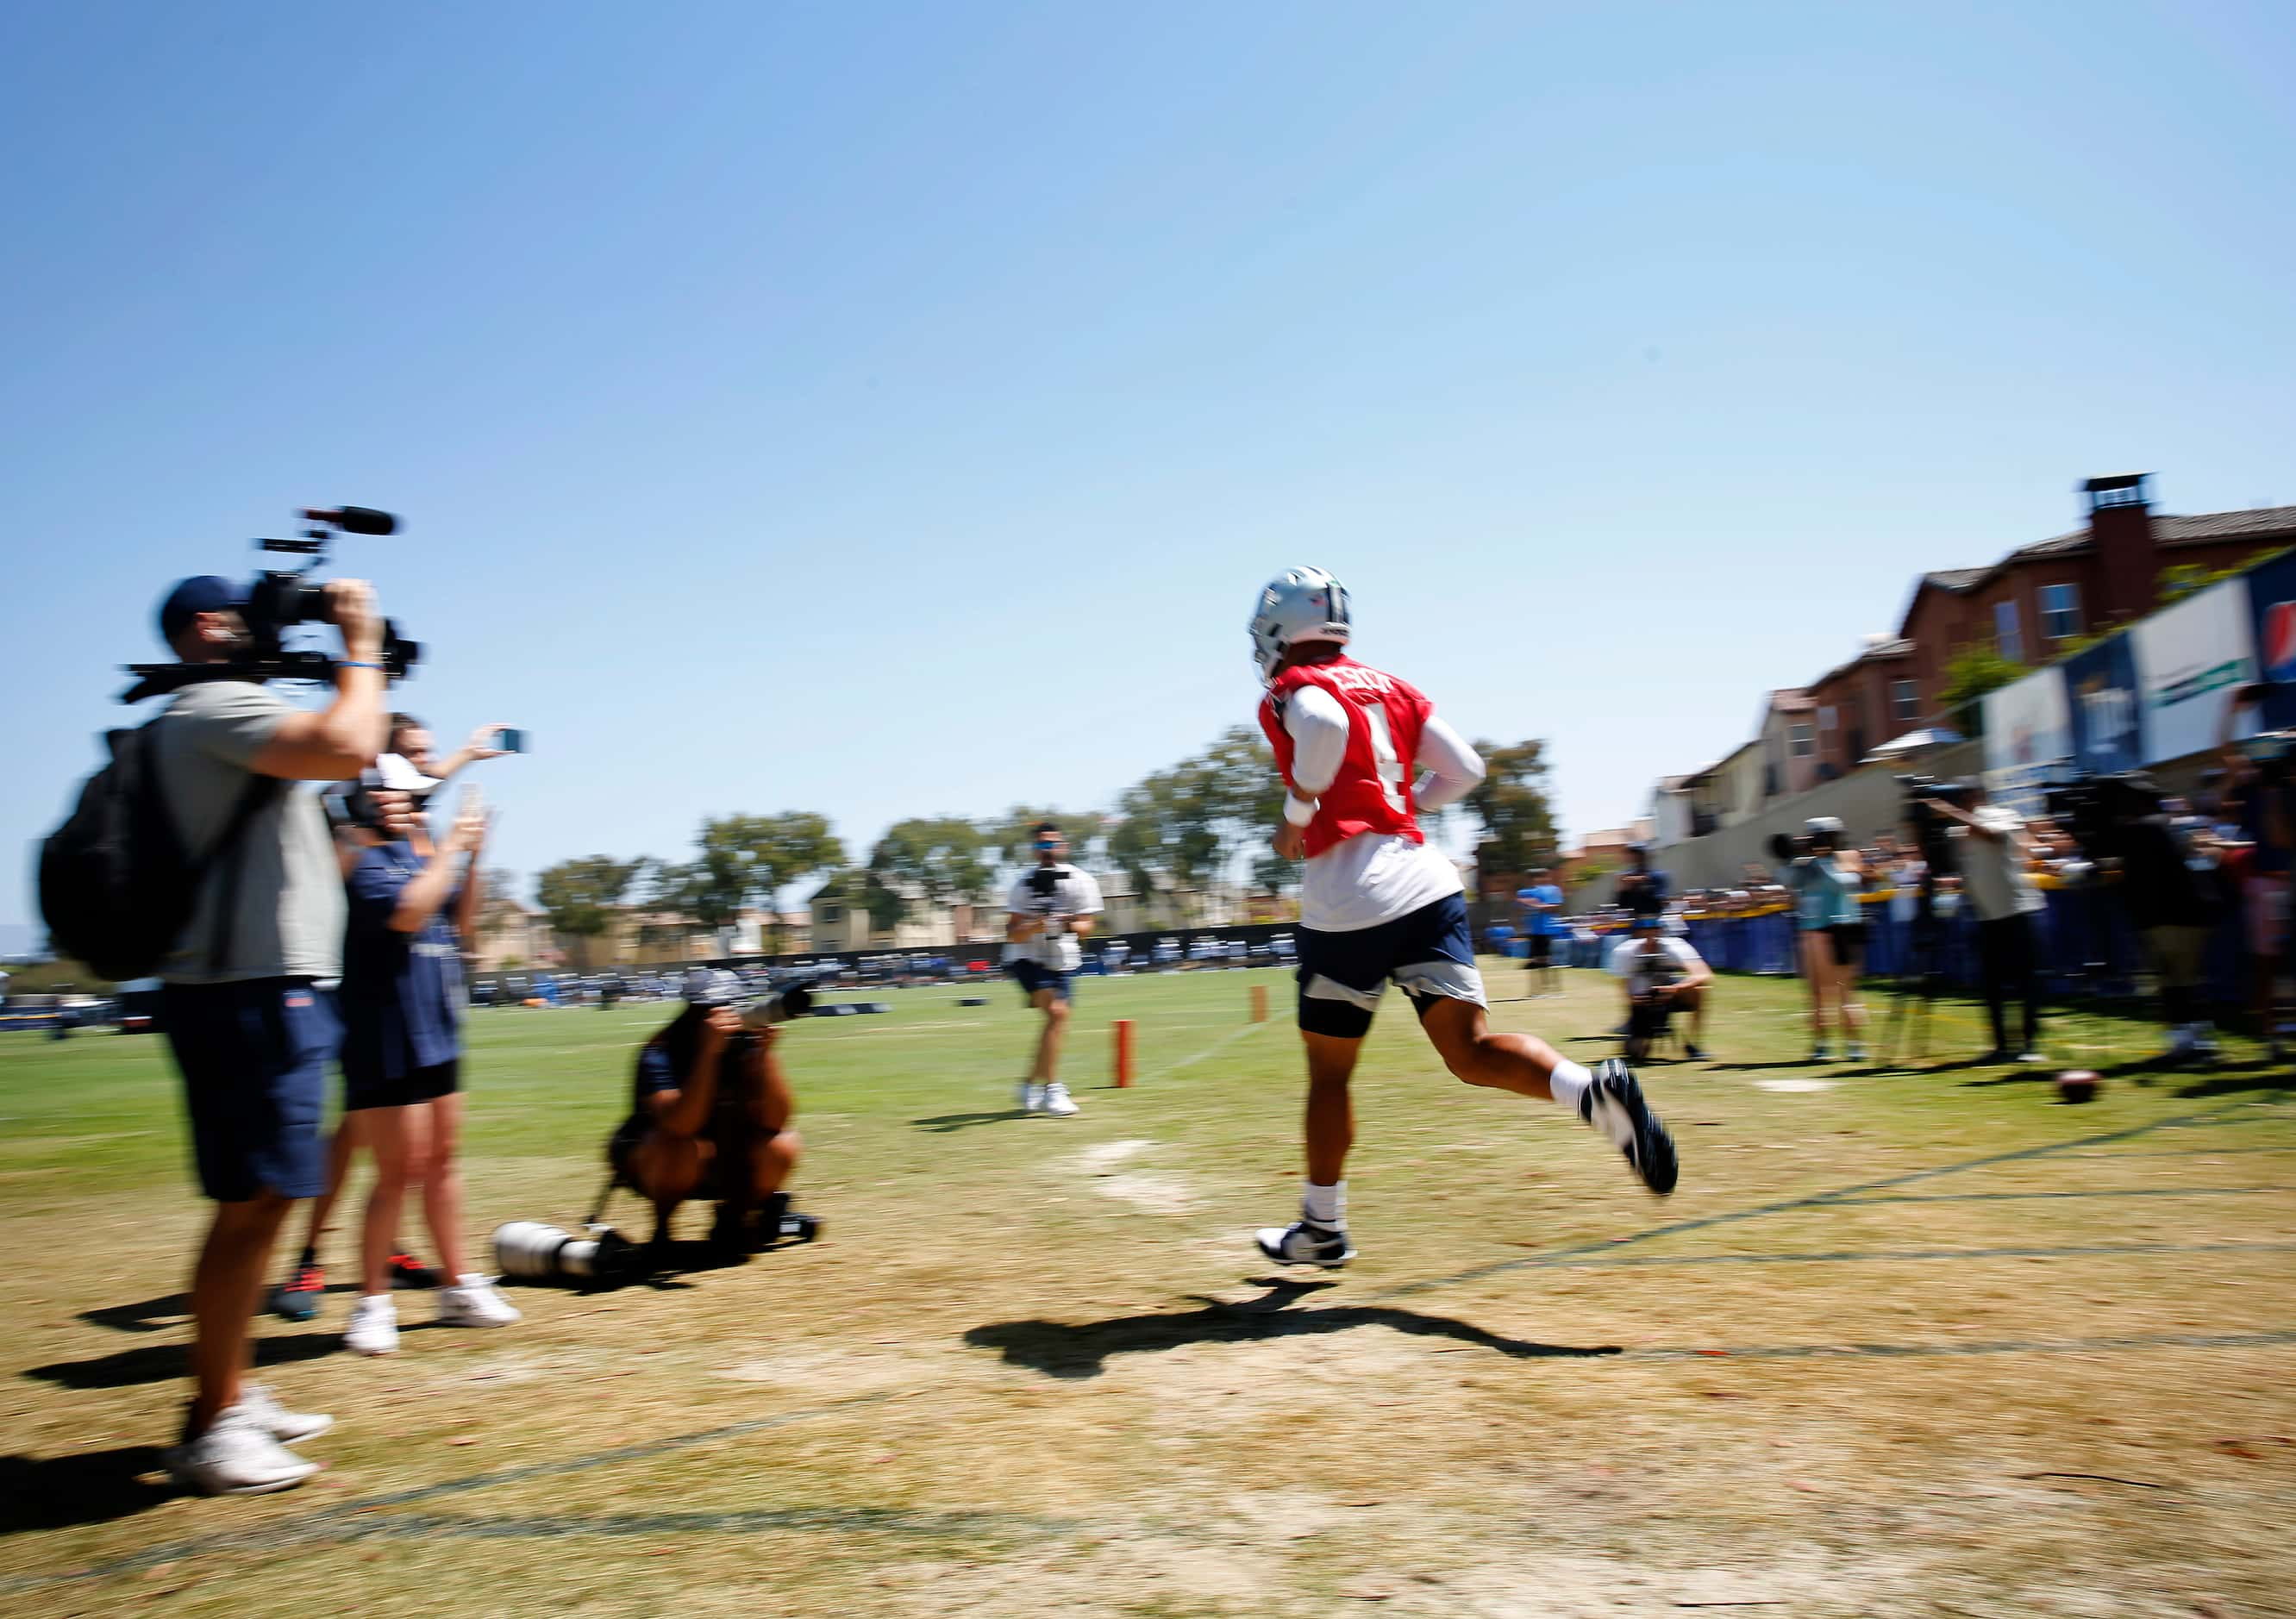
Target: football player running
[{"x": 1376, "y": 904}]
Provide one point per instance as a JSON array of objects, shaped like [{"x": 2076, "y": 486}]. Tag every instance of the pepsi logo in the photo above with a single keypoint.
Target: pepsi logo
[{"x": 2279, "y": 647}]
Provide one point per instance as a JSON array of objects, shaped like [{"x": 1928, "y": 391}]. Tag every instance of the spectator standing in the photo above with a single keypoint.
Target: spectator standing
[
  {"x": 412, "y": 905},
  {"x": 1542, "y": 927}
]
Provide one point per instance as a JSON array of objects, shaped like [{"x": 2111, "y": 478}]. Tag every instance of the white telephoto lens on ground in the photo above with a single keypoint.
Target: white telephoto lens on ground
[{"x": 535, "y": 1252}]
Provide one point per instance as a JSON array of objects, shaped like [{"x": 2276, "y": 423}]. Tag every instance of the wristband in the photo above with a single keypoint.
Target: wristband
[
  {"x": 353, "y": 663},
  {"x": 1296, "y": 810}
]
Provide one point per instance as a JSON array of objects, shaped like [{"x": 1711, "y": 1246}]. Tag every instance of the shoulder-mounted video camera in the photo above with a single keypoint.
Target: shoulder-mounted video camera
[{"x": 278, "y": 600}]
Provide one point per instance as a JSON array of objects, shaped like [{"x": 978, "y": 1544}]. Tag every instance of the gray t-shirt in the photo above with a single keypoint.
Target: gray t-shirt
[
  {"x": 1993, "y": 869},
  {"x": 289, "y": 916}
]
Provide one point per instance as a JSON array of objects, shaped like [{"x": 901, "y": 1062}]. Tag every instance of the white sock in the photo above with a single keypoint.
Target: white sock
[
  {"x": 1325, "y": 1205},
  {"x": 471, "y": 1279},
  {"x": 1569, "y": 1081}
]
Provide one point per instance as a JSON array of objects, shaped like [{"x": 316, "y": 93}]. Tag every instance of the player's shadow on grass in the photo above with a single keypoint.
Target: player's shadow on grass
[
  {"x": 945, "y": 1123},
  {"x": 145, "y": 1315},
  {"x": 1074, "y": 1352},
  {"x": 2230, "y": 1081},
  {"x": 91, "y": 1487},
  {"x": 172, "y": 1362}
]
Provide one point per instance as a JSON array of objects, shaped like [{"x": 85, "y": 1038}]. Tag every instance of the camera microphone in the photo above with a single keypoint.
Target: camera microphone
[{"x": 354, "y": 519}]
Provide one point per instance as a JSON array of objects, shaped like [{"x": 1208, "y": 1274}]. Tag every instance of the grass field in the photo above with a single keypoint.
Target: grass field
[{"x": 1919, "y": 1341}]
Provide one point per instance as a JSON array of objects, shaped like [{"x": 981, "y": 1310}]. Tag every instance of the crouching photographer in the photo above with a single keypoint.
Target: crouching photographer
[
  {"x": 1662, "y": 975},
  {"x": 710, "y": 1115}
]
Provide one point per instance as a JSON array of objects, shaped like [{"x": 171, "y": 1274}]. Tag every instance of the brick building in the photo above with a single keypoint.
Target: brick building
[
  {"x": 2033, "y": 601},
  {"x": 2029, "y": 606}
]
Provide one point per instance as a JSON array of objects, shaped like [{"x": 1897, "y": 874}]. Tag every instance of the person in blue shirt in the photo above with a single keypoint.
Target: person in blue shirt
[
  {"x": 711, "y": 1112},
  {"x": 1542, "y": 927},
  {"x": 412, "y": 904}
]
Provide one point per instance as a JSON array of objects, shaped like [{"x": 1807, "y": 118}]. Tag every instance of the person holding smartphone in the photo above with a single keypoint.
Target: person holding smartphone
[
  {"x": 412, "y": 902},
  {"x": 407, "y": 762}
]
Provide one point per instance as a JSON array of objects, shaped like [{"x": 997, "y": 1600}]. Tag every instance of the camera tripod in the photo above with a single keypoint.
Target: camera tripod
[{"x": 1913, "y": 990}]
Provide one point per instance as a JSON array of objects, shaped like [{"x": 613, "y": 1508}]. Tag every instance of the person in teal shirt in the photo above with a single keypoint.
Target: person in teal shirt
[{"x": 1826, "y": 883}]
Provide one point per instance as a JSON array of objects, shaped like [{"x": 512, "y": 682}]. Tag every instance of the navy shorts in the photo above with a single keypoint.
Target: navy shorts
[
  {"x": 254, "y": 1059},
  {"x": 1034, "y": 976},
  {"x": 374, "y": 1090},
  {"x": 1538, "y": 949},
  {"x": 1429, "y": 954}
]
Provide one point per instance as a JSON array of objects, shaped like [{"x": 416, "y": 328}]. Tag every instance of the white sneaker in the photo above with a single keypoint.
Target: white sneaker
[
  {"x": 236, "y": 1457},
  {"x": 373, "y": 1327},
  {"x": 288, "y": 1428},
  {"x": 472, "y": 1302},
  {"x": 1302, "y": 1244},
  {"x": 1057, "y": 1102},
  {"x": 1030, "y": 1097},
  {"x": 1856, "y": 1051}
]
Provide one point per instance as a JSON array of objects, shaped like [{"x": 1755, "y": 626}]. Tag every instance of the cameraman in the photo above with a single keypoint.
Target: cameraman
[
  {"x": 711, "y": 1118},
  {"x": 1994, "y": 857},
  {"x": 1047, "y": 911},
  {"x": 412, "y": 905},
  {"x": 250, "y": 1032},
  {"x": 1661, "y": 975},
  {"x": 1826, "y": 881}
]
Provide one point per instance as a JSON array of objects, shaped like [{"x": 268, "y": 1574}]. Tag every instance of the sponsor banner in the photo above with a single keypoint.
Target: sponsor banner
[
  {"x": 2100, "y": 691},
  {"x": 2028, "y": 738},
  {"x": 2272, "y": 616},
  {"x": 2190, "y": 660}
]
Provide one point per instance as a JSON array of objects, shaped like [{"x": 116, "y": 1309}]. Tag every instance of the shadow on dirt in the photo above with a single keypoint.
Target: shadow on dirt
[
  {"x": 1062, "y": 1350},
  {"x": 93, "y": 1487}
]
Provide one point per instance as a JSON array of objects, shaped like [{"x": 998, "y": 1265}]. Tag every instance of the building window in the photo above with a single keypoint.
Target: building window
[
  {"x": 2059, "y": 611},
  {"x": 1800, "y": 738},
  {"x": 2011, "y": 644},
  {"x": 831, "y": 915},
  {"x": 1904, "y": 702},
  {"x": 1825, "y": 718}
]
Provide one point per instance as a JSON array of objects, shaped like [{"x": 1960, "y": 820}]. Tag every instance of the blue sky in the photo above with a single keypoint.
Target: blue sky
[{"x": 891, "y": 410}]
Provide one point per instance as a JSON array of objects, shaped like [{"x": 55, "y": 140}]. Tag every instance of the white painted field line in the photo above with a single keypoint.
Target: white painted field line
[{"x": 1222, "y": 1042}]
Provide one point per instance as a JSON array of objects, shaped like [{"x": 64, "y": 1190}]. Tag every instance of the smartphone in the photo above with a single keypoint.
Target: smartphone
[{"x": 510, "y": 740}]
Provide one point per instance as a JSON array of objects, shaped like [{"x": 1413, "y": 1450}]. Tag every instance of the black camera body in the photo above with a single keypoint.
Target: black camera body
[
  {"x": 2095, "y": 809},
  {"x": 279, "y": 599},
  {"x": 1927, "y": 827}
]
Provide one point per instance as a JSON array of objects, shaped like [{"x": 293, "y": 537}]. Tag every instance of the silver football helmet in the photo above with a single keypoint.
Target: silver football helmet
[{"x": 1298, "y": 604}]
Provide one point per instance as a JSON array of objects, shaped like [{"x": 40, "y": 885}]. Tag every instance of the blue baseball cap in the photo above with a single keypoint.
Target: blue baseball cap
[{"x": 202, "y": 593}]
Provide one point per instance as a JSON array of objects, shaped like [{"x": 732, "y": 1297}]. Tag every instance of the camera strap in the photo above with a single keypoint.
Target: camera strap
[{"x": 231, "y": 847}]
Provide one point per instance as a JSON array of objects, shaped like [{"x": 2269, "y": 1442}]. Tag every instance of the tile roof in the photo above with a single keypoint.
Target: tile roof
[{"x": 1954, "y": 579}]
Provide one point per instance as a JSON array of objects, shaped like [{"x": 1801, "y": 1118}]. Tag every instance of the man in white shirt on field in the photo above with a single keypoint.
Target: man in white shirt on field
[{"x": 1048, "y": 913}]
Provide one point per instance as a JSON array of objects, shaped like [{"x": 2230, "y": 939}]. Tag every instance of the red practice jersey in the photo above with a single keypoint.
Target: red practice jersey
[{"x": 1371, "y": 793}]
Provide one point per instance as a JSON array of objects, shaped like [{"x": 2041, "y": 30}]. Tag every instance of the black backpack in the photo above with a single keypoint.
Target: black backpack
[{"x": 117, "y": 884}]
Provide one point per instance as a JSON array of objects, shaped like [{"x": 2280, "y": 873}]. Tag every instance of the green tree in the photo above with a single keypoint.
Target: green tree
[
  {"x": 1512, "y": 807},
  {"x": 580, "y": 896},
  {"x": 944, "y": 860},
  {"x": 1180, "y": 829},
  {"x": 858, "y": 888},
  {"x": 1971, "y": 672},
  {"x": 1007, "y": 840},
  {"x": 744, "y": 860}
]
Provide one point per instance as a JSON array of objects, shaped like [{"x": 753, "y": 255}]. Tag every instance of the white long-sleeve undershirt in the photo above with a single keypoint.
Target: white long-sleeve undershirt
[{"x": 1372, "y": 877}]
